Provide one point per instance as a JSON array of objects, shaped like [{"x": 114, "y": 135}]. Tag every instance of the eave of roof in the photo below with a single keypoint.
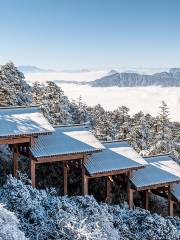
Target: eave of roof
[
  {"x": 155, "y": 185},
  {"x": 66, "y": 140},
  {"x": 157, "y": 173},
  {"x": 23, "y": 121},
  {"x": 117, "y": 156},
  {"x": 114, "y": 172},
  {"x": 69, "y": 153}
]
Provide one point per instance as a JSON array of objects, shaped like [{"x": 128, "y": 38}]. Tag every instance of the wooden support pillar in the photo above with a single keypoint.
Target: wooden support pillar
[
  {"x": 85, "y": 178},
  {"x": 130, "y": 192},
  {"x": 32, "y": 141},
  {"x": 85, "y": 181},
  {"x": 15, "y": 160},
  {"x": 146, "y": 199},
  {"x": 33, "y": 173},
  {"x": 65, "y": 177},
  {"x": 109, "y": 189},
  {"x": 130, "y": 196},
  {"x": 170, "y": 203}
]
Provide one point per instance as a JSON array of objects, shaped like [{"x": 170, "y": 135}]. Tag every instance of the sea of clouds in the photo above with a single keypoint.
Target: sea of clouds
[{"x": 147, "y": 99}]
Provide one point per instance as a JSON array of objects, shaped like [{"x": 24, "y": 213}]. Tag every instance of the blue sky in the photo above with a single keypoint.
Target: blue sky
[{"x": 73, "y": 34}]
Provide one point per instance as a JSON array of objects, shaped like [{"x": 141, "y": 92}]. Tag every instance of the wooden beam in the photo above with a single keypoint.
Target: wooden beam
[
  {"x": 170, "y": 206},
  {"x": 15, "y": 160},
  {"x": 108, "y": 190},
  {"x": 170, "y": 203},
  {"x": 130, "y": 197},
  {"x": 156, "y": 186},
  {"x": 114, "y": 172},
  {"x": 65, "y": 176},
  {"x": 33, "y": 173},
  {"x": 15, "y": 140},
  {"x": 85, "y": 178},
  {"x": 85, "y": 182},
  {"x": 32, "y": 140},
  {"x": 59, "y": 158},
  {"x": 146, "y": 199},
  {"x": 130, "y": 192}
]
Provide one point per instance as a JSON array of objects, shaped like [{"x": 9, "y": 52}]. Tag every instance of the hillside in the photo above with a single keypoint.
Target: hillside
[{"x": 43, "y": 215}]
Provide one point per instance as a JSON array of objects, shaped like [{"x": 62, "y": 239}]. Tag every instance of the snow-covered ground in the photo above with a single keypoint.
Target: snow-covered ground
[{"x": 147, "y": 99}]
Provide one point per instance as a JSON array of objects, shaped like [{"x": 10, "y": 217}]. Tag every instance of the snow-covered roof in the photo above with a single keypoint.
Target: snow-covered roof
[
  {"x": 176, "y": 191},
  {"x": 65, "y": 140},
  {"x": 23, "y": 121},
  {"x": 117, "y": 155},
  {"x": 162, "y": 169}
]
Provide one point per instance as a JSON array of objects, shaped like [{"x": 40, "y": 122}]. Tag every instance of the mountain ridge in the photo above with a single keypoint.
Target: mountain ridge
[{"x": 132, "y": 79}]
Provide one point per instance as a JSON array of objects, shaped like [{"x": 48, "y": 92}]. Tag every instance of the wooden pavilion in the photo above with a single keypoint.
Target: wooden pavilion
[
  {"x": 28, "y": 132},
  {"x": 158, "y": 177},
  {"x": 69, "y": 142},
  {"x": 118, "y": 157},
  {"x": 19, "y": 128}
]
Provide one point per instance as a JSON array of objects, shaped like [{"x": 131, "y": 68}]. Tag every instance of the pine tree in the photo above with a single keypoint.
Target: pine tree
[
  {"x": 79, "y": 111},
  {"x": 102, "y": 123},
  {"x": 142, "y": 135},
  {"x": 13, "y": 88},
  {"x": 55, "y": 104},
  {"x": 121, "y": 122},
  {"x": 164, "y": 140}
]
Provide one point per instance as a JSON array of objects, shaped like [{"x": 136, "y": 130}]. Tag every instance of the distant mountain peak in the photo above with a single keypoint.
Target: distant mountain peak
[
  {"x": 33, "y": 69},
  {"x": 112, "y": 72}
]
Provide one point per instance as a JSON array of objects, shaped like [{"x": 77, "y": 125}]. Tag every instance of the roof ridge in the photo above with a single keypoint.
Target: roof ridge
[
  {"x": 114, "y": 141},
  {"x": 70, "y": 125},
  {"x": 157, "y": 155},
  {"x": 24, "y": 106}
]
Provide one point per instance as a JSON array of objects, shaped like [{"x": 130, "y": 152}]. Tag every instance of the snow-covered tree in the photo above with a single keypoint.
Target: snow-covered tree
[
  {"x": 9, "y": 226},
  {"x": 55, "y": 104},
  {"x": 43, "y": 215},
  {"x": 103, "y": 127},
  {"x": 142, "y": 134},
  {"x": 164, "y": 141},
  {"x": 121, "y": 122},
  {"x": 79, "y": 112},
  {"x": 14, "y": 90}
]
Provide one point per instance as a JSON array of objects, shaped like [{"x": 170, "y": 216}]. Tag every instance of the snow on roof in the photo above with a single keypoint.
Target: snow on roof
[
  {"x": 23, "y": 121},
  {"x": 66, "y": 140},
  {"x": 162, "y": 169},
  {"x": 156, "y": 158},
  {"x": 117, "y": 155},
  {"x": 176, "y": 191}
]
